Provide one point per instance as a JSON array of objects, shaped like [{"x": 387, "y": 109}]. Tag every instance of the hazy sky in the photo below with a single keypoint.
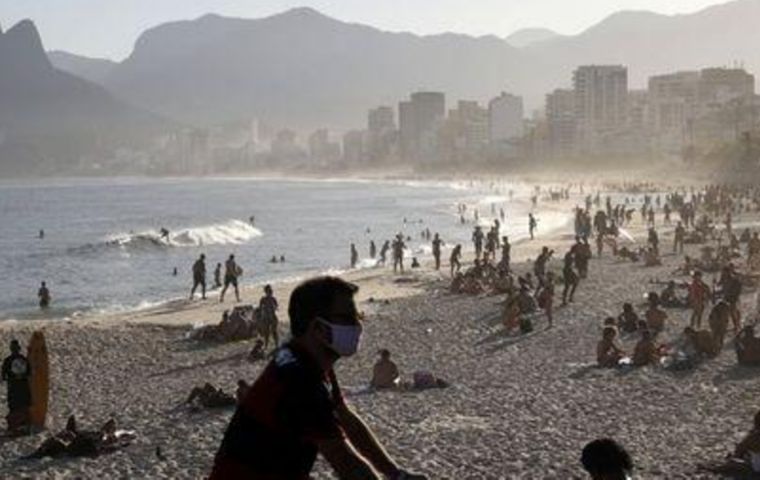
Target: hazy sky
[{"x": 109, "y": 28}]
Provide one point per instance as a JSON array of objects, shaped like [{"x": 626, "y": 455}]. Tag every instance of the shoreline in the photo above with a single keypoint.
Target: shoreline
[{"x": 474, "y": 192}]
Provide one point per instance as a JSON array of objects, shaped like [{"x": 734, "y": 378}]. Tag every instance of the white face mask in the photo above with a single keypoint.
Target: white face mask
[{"x": 345, "y": 338}]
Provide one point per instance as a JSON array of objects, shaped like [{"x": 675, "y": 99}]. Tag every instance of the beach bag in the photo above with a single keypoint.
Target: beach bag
[
  {"x": 526, "y": 325},
  {"x": 424, "y": 379}
]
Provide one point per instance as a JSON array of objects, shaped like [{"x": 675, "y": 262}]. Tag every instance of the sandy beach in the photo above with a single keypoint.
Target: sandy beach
[{"x": 518, "y": 406}]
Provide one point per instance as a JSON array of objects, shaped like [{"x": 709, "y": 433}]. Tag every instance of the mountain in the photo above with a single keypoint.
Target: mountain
[
  {"x": 528, "y": 36},
  {"x": 303, "y": 69},
  {"x": 92, "y": 69},
  {"x": 51, "y": 116},
  {"x": 651, "y": 44},
  {"x": 300, "y": 68}
]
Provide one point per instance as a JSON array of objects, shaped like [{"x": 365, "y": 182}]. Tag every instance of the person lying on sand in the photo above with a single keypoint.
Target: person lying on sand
[
  {"x": 608, "y": 354},
  {"x": 208, "y": 396},
  {"x": 73, "y": 442},
  {"x": 385, "y": 372},
  {"x": 605, "y": 459}
]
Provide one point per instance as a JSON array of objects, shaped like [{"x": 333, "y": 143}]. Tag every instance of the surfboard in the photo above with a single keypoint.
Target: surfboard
[
  {"x": 39, "y": 383},
  {"x": 626, "y": 235}
]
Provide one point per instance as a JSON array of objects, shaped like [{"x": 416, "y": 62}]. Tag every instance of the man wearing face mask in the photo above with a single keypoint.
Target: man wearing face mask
[{"x": 295, "y": 409}]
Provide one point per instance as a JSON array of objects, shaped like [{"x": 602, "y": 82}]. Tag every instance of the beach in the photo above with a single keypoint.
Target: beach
[{"x": 519, "y": 406}]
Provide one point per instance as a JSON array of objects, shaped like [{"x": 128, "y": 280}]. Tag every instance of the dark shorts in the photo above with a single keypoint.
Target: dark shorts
[
  {"x": 230, "y": 280},
  {"x": 199, "y": 280}
]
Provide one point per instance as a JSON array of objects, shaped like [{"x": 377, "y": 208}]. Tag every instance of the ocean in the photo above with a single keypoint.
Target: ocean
[{"x": 102, "y": 252}]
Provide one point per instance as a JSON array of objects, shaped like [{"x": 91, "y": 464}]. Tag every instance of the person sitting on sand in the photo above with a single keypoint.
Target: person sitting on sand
[
  {"x": 651, "y": 258},
  {"x": 645, "y": 351},
  {"x": 700, "y": 342},
  {"x": 748, "y": 449},
  {"x": 242, "y": 390},
  {"x": 257, "y": 352},
  {"x": 718, "y": 320},
  {"x": 748, "y": 347},
  {"x": 608, "y": 354},
  {"x": 628, "y": 321},
  {"x": 208, "y": 396},
  {"x": 669, "y": 296},
  {"x": 655, "y": 316},
  {"x": 605, "y": 459},
  {"x": 385, "y": 372}
]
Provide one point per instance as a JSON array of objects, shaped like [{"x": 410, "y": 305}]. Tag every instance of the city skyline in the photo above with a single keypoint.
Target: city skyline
[{"x": 67, "y": 25}]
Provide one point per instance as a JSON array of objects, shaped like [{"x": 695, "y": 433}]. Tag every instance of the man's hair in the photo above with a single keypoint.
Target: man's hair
[
  {"x": 314, "y": 298},
  {"x": 605, "y": 456}
]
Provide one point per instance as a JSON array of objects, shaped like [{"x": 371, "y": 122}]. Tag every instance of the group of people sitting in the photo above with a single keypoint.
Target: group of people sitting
[{"x": 484, "y": 277}]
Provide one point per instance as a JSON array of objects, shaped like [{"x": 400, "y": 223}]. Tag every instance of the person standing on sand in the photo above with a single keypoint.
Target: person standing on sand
[
  {"x": 199, "y": 276},
  {"x": 539, "y": 265},
  {"x": 437, "y": 243},
  {"x": 398, "y": 253},
  {"x": 384, "y": 252},
  {"x": 218, "y": 276},
  {"x": 699, "y": 295},
  {"x": 268, "y": 310},
  {"x": 570, "y": 278},
  {"x": 372, "y": 249},
  {"x": 455, "y": 258},
  {"x": 231, "y": 273},
  {"x": 43, "y": 294},
  {"x": 16, "y": 371},
  {"x": 477, "y": 240},
  {"x": 354, "y": 256},
  {"x": 506, "y": 254},
  {"x": 296, "y": 409},
  {"x": 678, "y": 238},
  {"x": 532, "y": 224}
]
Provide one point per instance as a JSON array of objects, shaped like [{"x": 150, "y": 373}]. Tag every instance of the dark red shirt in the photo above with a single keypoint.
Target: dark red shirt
[{"x": 274, "y": 432}]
